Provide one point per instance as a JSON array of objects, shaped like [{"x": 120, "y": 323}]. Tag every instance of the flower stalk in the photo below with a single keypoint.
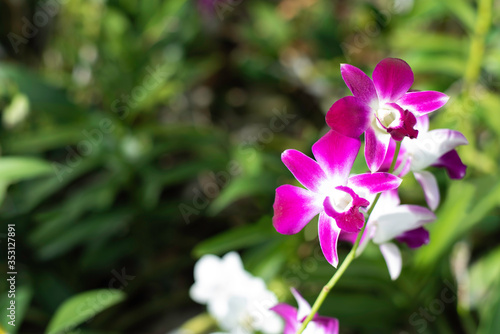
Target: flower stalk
[{"x": 349, "y": 258}]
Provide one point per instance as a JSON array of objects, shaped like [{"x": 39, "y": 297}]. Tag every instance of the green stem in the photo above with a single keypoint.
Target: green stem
[
  {"x": 349, "y": 258},
  {"x": 477, "y": 45}
]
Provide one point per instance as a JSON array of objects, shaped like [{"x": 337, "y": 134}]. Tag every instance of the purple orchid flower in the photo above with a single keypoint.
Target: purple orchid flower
[
  {"x": 330, "y": 192},
  {"x": 431, "y": 148},
  {"x": 382, "y": 108},
  {"x": 294, "y": 318},
  {"x": 390, "y": 220}
]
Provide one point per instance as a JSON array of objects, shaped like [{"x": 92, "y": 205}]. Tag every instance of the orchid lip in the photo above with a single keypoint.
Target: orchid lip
[
  {"x": 343, "y": 206},
  {"x": 341, "y": 200},
  {"x": 388, "y": 117},
  {"x": 396, "y": 121}
]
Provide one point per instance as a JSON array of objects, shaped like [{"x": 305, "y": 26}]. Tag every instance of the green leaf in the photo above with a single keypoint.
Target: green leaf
[
  {"x": 467, "y": 203},
  {"x": 96, "y": 226},
  {"x": 241, "y": 188},
  {"x": 463, "y": 11},
  {"x": 13, "y": 169},
  {"x": 482, "y": 277},
  {"x": 83, "y": 307},
  {"x": 490, "y": 311},
  {"x": 244, "y": 236}
]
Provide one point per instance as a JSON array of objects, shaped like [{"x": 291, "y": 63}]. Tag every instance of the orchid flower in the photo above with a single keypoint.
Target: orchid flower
[
  {"x": 294, "y": 317},
  {"x": 431, "y": 148},
  {"x": 330, "y": 192},
  {"x": 238, "y": 301},
  {"x": 390, "y": 220},
  {"x": 382, "y": 108}
]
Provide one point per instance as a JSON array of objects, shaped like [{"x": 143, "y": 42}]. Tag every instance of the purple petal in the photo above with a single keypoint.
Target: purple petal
[
  {"x": 359, "y": 84},
  {"x": 336, "y": 153},
  {"x": 347, "y": 236},
  {"x": 346, "y": 213},
  {"x": 375, "y": 183},
  {"x": 304, "y": 306},
  {"x": 430, "y": 187},
  {"x": 424, "y": 102},
  {"x": 328, "y": 234},
  {"x": 376, "y": 146},
  {"x": 393, "y": 259},
  {"x": 453, "y": 164},
  {"x": 289, "y": 315},
  {"x": 392, "y": 78},
  {"x": 294, "y": 207},
  {"x": 349, "y": 116},
  {"x": 415, "y": 238},
  {"x": 306, "y": 170},
  {"x": 327, "y": 325},
  {"x": 402, "y": 126}
]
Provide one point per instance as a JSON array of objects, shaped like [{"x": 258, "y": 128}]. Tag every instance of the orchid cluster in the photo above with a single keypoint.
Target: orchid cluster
[
  {"x": 393, "y": 119},
  {"x": 238, "y": 301}
]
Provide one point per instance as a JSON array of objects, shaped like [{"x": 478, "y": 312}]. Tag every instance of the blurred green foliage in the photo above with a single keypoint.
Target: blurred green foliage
[{"x": 137, "y": 136}]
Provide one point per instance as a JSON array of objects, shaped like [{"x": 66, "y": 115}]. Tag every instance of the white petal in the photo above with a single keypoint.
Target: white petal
[
  {"x": 387, "y": 201},
  {"x": 304, "y": 308},
  {"x": 393, "y": 259},
  {"x": 401, "y": 219},
  {"x": 430, "y": 187},
  {"x": 428, "y": 147}
]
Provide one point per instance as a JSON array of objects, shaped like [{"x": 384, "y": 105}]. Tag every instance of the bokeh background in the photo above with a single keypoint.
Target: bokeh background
[{"x": 137, "y": 136}]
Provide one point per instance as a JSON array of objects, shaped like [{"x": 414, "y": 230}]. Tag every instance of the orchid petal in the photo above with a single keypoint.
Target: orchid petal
[
  {"x": 347, "y": 236},
  {"x": 415, "y": 238},
  {"x": 370, "y": 231},
  {"x": 307, "y": 171},
  {"x": 374, "y": 183},
  {"x": 336, "y": 153},
  {"x": 207, "y": 271},
  {"x": 359, "y": 84},
  {"x": 327, "y": 325},
  {"x": 403, "y": 158},
  {"x": 349, "y": 116},
  {"x": 328, "y": 234},
  {"x": 289, "y": 315},
  {"x": 294, "y": 207},
  {"x": 386, "y": 203},
  {"x": 453, "y": 164},
  {"x": 422, "y": 123},
  {"x": 430, "y": 187},
  {"x": 428, "y": 148},
  {"x": 392, "y": 78},
  {"x": 421, "y": 103},
  {"x": 399, "y": 220},
  {"x": 304, "y": 308},
  {"x": 392, "y": 256},
  {"x": 377, "y": 144}
]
